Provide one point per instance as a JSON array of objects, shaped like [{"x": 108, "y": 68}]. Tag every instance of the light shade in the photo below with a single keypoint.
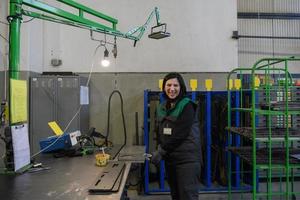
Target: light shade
[{"x": 105, "y": 62}]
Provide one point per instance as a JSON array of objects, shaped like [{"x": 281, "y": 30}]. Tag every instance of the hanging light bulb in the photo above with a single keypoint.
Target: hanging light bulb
[{"x": 105, "y": 62}]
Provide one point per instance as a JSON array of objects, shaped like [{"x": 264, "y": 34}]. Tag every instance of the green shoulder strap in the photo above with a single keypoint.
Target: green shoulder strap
[{"x": 174, "y": 112}]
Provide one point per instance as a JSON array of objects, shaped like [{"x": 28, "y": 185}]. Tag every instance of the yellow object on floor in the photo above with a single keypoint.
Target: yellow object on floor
[{"x": 101, "y": 159}]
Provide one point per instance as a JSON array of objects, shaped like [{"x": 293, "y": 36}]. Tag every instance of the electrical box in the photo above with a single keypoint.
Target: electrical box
[
  {"x": 57, "y": 98},
  {"x": 65, "y": 141}
]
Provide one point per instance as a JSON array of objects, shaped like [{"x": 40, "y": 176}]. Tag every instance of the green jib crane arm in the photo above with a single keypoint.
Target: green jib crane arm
[{"x": 51, "y": 13}]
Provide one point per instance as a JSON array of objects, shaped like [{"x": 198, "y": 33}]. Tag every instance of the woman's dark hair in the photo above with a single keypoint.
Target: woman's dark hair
[{"x": 172, "y": 75}]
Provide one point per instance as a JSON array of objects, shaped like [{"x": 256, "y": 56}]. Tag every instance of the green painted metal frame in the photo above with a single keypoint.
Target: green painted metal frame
[
  {"x": 50, "y": 13},
  {"x": 18, "y": 8},
  {"x": 64, "y": 17},
  {"x": 267, "y": 65},
  {"x": 14, "y": 38}
]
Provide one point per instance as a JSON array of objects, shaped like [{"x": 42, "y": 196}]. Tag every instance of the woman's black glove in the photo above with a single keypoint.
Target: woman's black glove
[{"x": 157, "y": 155}]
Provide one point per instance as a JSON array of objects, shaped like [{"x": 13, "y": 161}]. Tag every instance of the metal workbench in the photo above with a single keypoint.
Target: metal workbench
[{"x": 67, "y": 178}]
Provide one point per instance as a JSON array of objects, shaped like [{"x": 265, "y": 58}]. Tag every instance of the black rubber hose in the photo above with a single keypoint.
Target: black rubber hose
[
  {"x": 137, "y": 128},
  {"x": 123, "y": 118}
]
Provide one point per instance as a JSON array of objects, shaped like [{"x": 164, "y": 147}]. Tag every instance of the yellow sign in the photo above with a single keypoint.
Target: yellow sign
[
  {"x": 18, "y": 100},
  {"x": 160, "y": 84},
  {"x": 193, "y": 84},
  {"x": 237, "y": 84},
  {"x": 230, "y": 84},
  {"x": 55, "y": 128},
  {"x": 208, "y": 84},
  {"x": 256, "y": 82}
]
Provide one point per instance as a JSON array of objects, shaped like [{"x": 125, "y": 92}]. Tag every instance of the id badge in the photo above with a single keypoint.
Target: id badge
[{"x": 167, "y": 131}]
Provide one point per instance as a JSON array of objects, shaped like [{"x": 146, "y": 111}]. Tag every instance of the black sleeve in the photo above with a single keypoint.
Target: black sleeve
[{"x": 181, "y": 129}]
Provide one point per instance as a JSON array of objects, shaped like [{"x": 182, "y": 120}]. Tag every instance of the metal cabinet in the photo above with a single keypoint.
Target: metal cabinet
[{"x": 56, "y": 98}]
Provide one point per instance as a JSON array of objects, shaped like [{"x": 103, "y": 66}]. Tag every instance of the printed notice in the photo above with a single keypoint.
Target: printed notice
[{"x": 18, "y": 96}]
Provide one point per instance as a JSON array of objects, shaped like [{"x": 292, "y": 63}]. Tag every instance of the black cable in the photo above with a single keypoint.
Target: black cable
[
  {"x": 29, "y": 20},
  {"x": 4, "y": 38},
  {"x": 137, "y": 128},
  {"x": 108, "y": 119},
  {"x": 1, "y": 22},
  {"x": 2, "y": 112}
]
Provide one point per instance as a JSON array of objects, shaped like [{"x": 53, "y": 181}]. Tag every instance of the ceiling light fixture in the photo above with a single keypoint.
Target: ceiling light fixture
[{"x": 105, "y": 61}]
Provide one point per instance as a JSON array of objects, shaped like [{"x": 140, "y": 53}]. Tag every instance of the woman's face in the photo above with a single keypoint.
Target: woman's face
[{"x": 172, "y": 88}]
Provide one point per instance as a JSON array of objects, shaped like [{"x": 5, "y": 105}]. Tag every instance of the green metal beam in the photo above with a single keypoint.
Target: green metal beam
[
  {"x": 83, "y": 8},
  {"x": 76, "y": 24},
  {"x": 14, "y": 38},
  {"x": 60, "y": 16},
  {"x": 70, "y": 16}
]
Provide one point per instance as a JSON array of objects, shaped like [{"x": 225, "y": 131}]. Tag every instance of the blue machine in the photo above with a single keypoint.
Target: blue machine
[{"x": 54, "y": 143}]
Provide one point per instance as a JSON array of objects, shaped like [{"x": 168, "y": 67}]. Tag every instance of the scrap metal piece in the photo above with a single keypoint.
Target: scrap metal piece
[
  {"x": 133, "y": 153},
  {"x": 109, "y": 179}
]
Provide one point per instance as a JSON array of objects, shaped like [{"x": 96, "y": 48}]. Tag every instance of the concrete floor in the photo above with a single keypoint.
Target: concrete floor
[{"x": 132, "y": 194}]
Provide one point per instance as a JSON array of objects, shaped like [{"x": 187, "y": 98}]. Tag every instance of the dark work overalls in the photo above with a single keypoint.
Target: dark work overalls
[{"x": 179, "y": 136}]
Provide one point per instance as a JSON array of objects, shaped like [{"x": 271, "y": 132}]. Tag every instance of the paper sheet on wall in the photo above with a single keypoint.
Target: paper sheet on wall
[
  {"x": 18, "y": 95},
  {"x": 84, "y": 95},
  {"x": 20, "y": 146}
]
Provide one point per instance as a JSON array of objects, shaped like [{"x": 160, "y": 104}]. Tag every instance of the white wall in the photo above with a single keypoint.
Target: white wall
[
  {"x": 200, "y": 39},
  {"x": 253, "y": 49}
]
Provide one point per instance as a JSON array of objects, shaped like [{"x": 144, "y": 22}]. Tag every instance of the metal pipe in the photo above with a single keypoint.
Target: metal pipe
[
  {"x": 258, "y": 15},
  {"x": 14, "y": 38},
  {"x": 235, "y": 35},
  {"x": 14, "y": 44},
  {"x": 137, "y": 128},
  {"x": 265, "y": 37}
]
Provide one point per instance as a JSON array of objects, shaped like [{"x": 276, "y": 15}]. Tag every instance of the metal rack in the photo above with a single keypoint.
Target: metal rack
[{"x": 269, "y": 148}]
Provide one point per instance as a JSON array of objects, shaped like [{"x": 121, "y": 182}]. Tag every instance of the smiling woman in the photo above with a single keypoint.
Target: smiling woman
[
  {"x": 178, "y": 139},
  {"x": 172, "y": 88}
]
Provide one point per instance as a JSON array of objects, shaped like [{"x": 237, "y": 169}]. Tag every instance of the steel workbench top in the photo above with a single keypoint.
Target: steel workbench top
[{"x": 68, "y": 178}]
